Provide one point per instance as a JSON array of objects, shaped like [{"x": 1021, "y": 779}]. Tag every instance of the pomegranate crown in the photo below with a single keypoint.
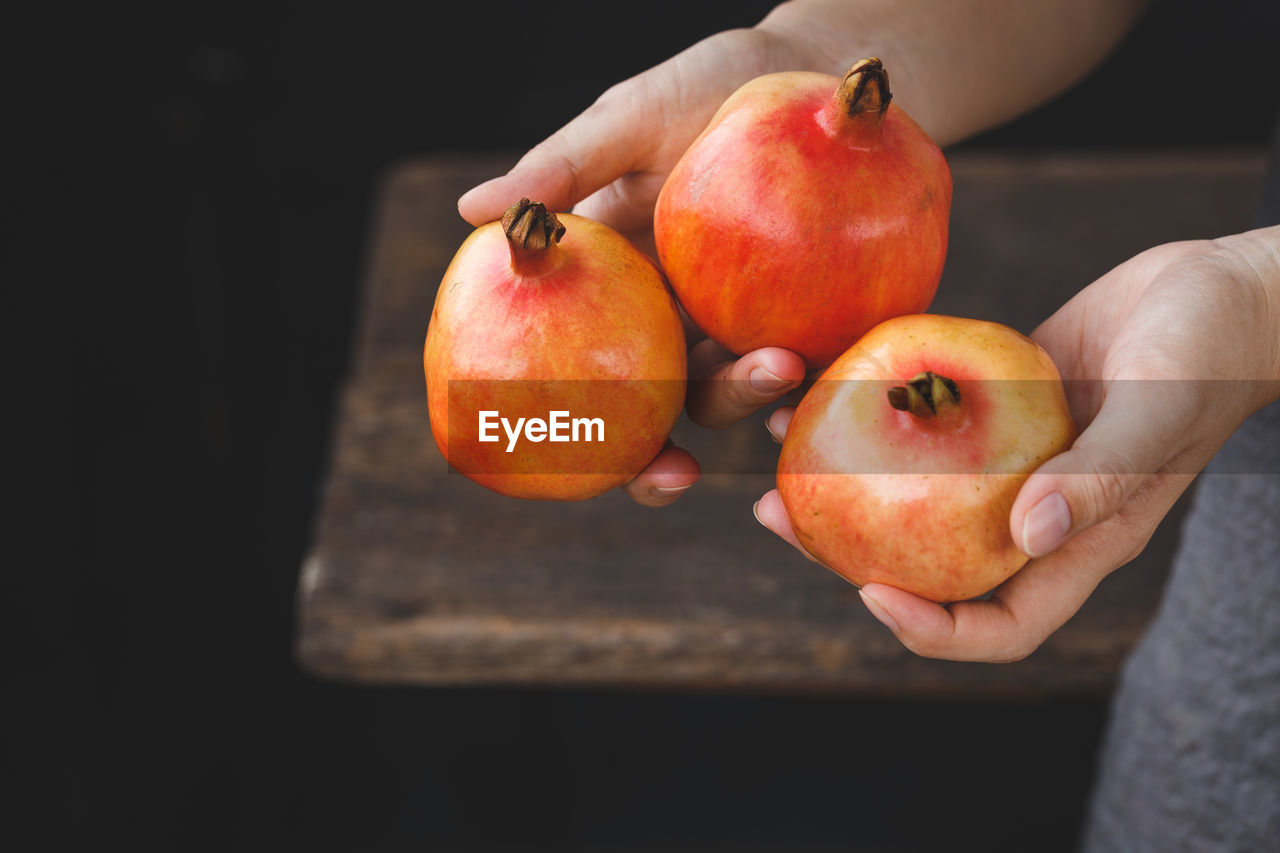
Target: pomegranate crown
[
  {"x": 531, "y": 226},
  {"x": 866, "y": 87},
  {"x": 925, "y": 395}
]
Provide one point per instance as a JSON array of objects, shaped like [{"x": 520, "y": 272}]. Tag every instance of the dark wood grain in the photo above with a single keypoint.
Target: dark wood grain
[{"x": 418, "y": 575}]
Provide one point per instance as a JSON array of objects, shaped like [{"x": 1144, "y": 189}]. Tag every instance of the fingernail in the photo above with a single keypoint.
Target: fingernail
[
  {"x": 1045, "y": 525},
  {"x": 765, "y": 382},
  {"x": 878, "y": 611},
  {"x": 755, "y": 510},
  {"x": 668, "y": 491},
  {"x": 772, "y": 434}
]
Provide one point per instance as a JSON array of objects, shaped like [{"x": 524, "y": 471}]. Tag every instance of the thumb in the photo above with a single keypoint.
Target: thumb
[{"x": 1140, "y": 427}]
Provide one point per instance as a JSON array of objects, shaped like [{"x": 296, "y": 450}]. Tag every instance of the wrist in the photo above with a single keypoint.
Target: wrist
[{"x": 1252, "y": 259}]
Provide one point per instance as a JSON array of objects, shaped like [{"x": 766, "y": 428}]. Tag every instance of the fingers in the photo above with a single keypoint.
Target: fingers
[
  {"x": 778, "y": 421},
  {"x": 1083, "y": 514},
  {"x": 724, "y": 389},
  {"x": 770, "y": 512},
  {"x": 600, "y": 145},
  {"x": 635, "y": 131},
  {"x": 1023, "y": 611},
  {"x": 626, "y": 205},
  {"x": 1141, "y": 427},
  {"x": 672, "y": 472},
  {"x": 1027, "y": 608},
  {"x": 733, "y": 388},
  {"x": 1007, "y": 627}
]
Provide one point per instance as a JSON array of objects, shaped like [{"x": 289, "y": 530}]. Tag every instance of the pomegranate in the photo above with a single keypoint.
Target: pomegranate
[
  {"x": 800, "y": 219},
  {"x": 902, "y": 463},
  {"x": 555, "y": 357}
]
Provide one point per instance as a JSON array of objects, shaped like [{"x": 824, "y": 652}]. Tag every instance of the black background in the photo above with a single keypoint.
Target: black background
[{"x": 213, "y": 170}]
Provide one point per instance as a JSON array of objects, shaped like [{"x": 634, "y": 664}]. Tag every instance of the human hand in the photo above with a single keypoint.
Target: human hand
[
  {"x": 1171, "y": 351},
  {"x": 723, "y": 389},
  {"x": 610, "y": 163}
]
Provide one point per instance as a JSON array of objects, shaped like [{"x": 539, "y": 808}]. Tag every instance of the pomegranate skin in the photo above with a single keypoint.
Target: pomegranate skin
[
  {"x": 922, "y": 503},
  {"x": 791, "y": 223},
  {"x": 590, "y": 329}
]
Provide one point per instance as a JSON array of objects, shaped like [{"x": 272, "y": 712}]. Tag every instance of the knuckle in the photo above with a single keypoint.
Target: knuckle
[
  {"x": 721, "y": 402},
  {"x": 739, "y": 394},
  {"x": 1014, "y": 649},
  {"x": 610, "y": 96},
  {"x": 1109, "y": 489},
  {"x": 636, "y": 492},
  {"x": 1020, "y": 649},
  {"x": 920, "y": 648},
  {"x": 926, "y": 646},
  {"x": 1136, "y": 546},
  {"x": 1105, "y": 488},
  {"x": 626, "y": 92}
]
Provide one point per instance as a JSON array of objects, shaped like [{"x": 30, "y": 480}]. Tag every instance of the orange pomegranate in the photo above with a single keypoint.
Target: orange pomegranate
[
  {"x": 902, "y": 462},
  {"x": 554, "y": 359}
]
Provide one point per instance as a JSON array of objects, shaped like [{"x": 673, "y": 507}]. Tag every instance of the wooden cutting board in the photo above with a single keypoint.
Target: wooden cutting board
[{"x": 417, "y": 575}]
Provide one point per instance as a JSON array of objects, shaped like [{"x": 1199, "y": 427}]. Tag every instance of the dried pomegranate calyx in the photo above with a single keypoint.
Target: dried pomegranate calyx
[
  {"x": 925, "y": 395},
  {"x": 865, "y": 88},
  {"x": 532, "y": 234},
  {"x": 531, "y": 226}
]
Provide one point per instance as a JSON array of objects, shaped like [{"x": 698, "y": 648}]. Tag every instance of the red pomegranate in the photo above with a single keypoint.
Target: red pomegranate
[
  {"x": 555, "y": 357},
  {"x": 801, "y": 219}
]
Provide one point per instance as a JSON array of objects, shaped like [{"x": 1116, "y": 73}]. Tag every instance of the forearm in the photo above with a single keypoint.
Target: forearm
[{"x": 959, "y": 66}]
